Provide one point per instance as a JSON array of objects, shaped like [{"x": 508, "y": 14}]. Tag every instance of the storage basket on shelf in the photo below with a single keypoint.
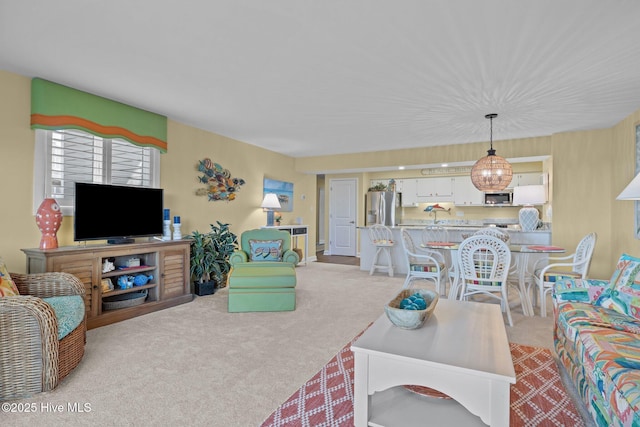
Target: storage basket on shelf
[
  {"x": 411, "y": 319},
  {"x": 130, "y": 299}
]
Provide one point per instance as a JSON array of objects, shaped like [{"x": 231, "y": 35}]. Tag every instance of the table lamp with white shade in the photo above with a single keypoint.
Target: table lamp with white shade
[
  {"x": 631, "y": 191},
  {"x": 527, "y": 196},
  {"x": 270, "y": 203}
]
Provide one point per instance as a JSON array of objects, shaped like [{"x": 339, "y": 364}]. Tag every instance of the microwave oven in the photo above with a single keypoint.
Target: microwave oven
[{"x": 498, "y": 198}]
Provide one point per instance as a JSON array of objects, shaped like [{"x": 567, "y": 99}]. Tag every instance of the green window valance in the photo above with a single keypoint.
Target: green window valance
[{"x": 54, "y": 106}]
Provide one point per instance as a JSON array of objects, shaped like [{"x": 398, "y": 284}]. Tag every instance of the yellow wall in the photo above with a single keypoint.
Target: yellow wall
[
  {"x": 622, "y": 215},
  {"x": 187, "y": 145},
  {"x": 17, "y": 222},
  {"x": 587, "y": 171},
  {"x": 583, "y": 195}
]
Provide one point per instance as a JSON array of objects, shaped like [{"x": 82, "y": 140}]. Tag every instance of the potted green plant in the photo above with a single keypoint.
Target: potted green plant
[
  {"x": 378, "y": 187},
  {"x": 210, "y": 254}
]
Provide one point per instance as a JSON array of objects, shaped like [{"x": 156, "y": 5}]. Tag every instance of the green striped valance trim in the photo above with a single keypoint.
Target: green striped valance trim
[{"x": 54, "y": 106}]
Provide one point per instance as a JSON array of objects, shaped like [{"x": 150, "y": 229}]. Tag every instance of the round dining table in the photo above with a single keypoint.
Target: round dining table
[{"x": 520, "y": 267}]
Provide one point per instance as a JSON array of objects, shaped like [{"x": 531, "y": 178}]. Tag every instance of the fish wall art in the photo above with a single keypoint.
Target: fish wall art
[{"x": 219, "y": 184}]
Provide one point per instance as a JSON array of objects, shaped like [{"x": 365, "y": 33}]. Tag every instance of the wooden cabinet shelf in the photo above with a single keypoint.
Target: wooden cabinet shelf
[
  {"x": 126, "y": 291},
  {"x": 129, "y": 271},
  {"x": 167, "y": 262}
]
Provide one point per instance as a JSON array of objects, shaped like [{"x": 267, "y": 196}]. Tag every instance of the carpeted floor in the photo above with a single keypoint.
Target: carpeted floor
[
  {"x": 537, "y": 399},
  {"x": 198, "y": 365}
]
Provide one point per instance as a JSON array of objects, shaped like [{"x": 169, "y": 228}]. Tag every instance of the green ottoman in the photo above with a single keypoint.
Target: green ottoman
[{"x": 262, "y": 287}]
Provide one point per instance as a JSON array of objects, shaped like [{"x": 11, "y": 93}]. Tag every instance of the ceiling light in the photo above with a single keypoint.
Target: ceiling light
[{"x": 491, "y": 173}]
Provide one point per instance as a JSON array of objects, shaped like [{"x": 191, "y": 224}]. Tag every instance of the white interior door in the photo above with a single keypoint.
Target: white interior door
[
  {"x": 321, "y": 216},
  {"x": 342, "y": 216}
]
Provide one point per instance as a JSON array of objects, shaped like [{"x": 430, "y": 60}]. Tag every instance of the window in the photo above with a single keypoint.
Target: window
[{"x": 64, "y": 157}]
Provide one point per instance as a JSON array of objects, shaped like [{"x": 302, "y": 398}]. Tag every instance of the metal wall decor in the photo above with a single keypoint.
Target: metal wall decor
[{"x": 219, "y": 183}]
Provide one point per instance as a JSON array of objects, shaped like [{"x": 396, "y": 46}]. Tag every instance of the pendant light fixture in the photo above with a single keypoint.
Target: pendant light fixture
[{"x": 491, "y": 173}]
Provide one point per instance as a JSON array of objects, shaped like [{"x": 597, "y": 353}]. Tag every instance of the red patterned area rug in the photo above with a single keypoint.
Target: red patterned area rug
[{"x": 537, "y": 399}]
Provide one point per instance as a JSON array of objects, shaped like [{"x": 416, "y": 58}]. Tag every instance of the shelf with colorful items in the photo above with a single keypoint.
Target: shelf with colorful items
[{"x": 129, "y": 275}]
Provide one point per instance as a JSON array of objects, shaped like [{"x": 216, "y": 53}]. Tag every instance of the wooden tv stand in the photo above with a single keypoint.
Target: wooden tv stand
[{"x": 167, "y": 262}]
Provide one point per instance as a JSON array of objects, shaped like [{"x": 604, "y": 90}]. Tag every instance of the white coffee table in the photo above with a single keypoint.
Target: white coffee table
[{"x": 462, "y": 351}]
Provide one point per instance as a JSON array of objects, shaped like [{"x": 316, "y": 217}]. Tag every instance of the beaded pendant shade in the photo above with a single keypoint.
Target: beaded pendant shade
[{"x": 492, "y": 172}]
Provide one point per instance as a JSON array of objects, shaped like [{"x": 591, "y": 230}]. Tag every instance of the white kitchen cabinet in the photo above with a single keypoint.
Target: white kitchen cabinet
[
  {"x": 433, "y": 190},
  {"x": 409, "y": 192},
  {"x": 465, "y": 193},
  {"x": 528, "y": 178}
]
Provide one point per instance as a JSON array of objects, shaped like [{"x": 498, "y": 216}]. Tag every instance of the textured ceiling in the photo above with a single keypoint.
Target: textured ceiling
[{"x": 304, "y": 77}]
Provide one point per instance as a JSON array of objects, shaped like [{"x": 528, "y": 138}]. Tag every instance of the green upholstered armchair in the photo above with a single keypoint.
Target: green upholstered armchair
[
  {"x": 264, "y": 234},
  {"x": 263, "y": 276}
]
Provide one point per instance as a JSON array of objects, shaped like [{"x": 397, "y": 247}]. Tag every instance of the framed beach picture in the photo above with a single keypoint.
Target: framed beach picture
[{"x": 283, "y": 189}]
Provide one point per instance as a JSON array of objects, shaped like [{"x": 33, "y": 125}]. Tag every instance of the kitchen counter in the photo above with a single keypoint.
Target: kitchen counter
[
  {"x": 367, "y": 249},
  {"x": 467, "y": 228}
]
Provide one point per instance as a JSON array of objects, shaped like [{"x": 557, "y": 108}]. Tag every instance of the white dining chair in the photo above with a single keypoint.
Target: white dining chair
[
  {"x": 550, "y": 269},
  {"x": 484, "y": 262},
  {"x": 381, "y": 237},
  {"x": 423, "y": 264},
  {"x": 495, "y": 232},
  {"x": 513, "y": 278},
  {"x": 434, "y": 234}
]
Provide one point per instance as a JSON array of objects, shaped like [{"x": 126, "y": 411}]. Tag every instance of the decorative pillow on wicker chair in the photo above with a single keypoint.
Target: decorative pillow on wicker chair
[
  {"x": 7, "y": 287},
  {"x": 69, "y": 312},
  {"x": 265, "y": 250}
]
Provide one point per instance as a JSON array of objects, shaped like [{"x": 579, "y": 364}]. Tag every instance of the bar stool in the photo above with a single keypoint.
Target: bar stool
[{"x": 382, "y": 238}]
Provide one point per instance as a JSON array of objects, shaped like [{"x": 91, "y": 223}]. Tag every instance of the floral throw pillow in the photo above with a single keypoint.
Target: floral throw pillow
[
  {"x": 7, "y": 287},
  {"x": 579, "y": 290},
  {"x": 265, "y": 250},
  {"x": 627, "y": 269},
  {"x": 623, "y": 295}
]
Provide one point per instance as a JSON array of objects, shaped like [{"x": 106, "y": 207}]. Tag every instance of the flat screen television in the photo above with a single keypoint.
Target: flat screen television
[{"x": 116, "y": 213}]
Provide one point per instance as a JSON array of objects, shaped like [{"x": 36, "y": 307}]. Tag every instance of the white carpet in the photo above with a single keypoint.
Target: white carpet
[{"x": 198, "y": 365}]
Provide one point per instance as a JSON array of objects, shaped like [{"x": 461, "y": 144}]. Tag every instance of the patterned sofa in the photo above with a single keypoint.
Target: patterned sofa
[{"x": 597, "y": 339}]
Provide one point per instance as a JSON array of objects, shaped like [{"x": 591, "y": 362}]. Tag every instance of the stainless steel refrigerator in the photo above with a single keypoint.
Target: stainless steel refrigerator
[{"x": 383, "y": 207}]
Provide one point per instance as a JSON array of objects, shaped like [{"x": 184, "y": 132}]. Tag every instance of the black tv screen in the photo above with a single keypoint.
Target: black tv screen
[{"x": 116, "y": 213}]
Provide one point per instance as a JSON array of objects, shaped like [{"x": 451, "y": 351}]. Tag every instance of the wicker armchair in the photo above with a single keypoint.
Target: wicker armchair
[{"x": 32, "y": 359}]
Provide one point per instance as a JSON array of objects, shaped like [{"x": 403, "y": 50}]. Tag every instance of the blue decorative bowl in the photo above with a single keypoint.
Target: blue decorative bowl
[{"x": 411, "y": 319}]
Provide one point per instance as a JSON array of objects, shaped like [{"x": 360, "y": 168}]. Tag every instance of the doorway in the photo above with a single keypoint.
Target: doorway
[{"x": 342, "y": 216}]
